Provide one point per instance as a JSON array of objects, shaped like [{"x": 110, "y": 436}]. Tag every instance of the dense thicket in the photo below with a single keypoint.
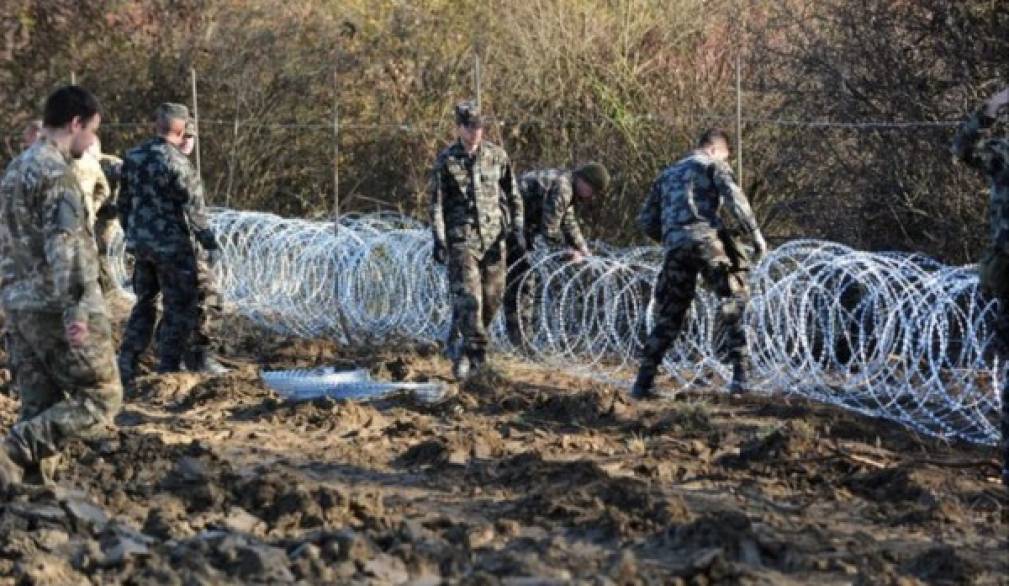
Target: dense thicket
[{"x": 626, "y": 82}]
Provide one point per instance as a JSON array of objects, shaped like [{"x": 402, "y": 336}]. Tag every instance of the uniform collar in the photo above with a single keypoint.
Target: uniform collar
[{"x": 47, "y": 143}]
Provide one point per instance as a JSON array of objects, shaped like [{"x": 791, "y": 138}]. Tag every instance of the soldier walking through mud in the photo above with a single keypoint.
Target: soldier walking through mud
[
  {"x": 58, "y": 335},
  {"x": 474, "y": 206},
  {"x": 162, "y": 210},
  {"x": 550, "y": 198},
  {"x": 682, "y": 212},
  {"x": 990, "y": 156}
]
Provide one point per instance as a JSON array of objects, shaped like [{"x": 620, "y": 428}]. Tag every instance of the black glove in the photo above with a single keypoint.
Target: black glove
[{"x": 440, "y": 253}]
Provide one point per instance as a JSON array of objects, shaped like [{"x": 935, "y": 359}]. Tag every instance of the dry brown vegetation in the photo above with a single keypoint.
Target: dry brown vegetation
[{"x": 627, "y": 82}]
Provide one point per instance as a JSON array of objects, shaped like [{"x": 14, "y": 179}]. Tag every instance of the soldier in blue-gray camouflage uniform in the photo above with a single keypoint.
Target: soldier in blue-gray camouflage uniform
[
  {"x": 990, "y": 156},
  {"x": 683, "y": 213},
  {"x": 162, "y": 210},
  {"x": 474, "y": 205},
  {"x": 58, "y": 335}
]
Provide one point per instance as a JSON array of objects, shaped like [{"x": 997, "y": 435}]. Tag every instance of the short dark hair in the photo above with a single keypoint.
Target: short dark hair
[
  {"x": 68, "y": 102},
  {"x": 711, "y": 135}
]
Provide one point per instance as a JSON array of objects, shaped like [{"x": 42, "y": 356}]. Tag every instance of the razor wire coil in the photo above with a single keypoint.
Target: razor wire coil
[{"x": 891, "y": 335}]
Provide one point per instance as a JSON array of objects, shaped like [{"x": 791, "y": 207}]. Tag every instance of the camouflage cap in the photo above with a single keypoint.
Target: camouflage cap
[
  {"x": 468, "y": 114},
  {"x": 173, "y": 111},
  {"x": 190, "y": 127}
]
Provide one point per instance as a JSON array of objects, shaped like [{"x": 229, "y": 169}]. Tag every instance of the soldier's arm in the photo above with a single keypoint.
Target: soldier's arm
[
  {"x": 7, "y": 273},
  {"x": 733, "y": 198},
  {"x": 64, "y": 214},
  {"x": 516, "y": 206},
  {"x": 102, "y": 189},
  {"x": 436, "y": 194},
  {"x": 190, "y": 189},
  {"x": 650, "y": 216}
]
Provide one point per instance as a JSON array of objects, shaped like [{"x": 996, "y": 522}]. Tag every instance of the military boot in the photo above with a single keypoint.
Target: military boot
[
  {"x": 11, "y": 473},
  {"x": 478, "y": 360},
  {"x": 204, "y": 362},
  {"x": 740, "y": 383},
  {"x": 170, "y": 363},
  {"x": 644, "y": 385},
  {"x": 461, "y": 367},
  {"x": 127, "y": 369}
]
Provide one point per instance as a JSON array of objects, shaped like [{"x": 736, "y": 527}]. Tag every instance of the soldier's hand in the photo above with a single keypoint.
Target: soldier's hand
[
  {"x": 997, "y": 102},
  {"x": 214, "y": 257},
  {"x": 759, "y": 247},
  {"x": 440, "y": 253},
  {"x": 574, "y": 256},
  {"x": 77, "y": 333}
]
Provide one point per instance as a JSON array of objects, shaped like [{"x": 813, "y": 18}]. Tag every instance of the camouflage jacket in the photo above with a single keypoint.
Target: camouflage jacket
[
  {"x": 94, "y": 185},
  {"x": 161, "y": 206},
  {"x": 474, "y": 198},
  {"x": 47, "y": 247},
  {"x": 685, "y": 201},
  {"x": 549, "y": 200},
  {"x": 991, "y": 157}
]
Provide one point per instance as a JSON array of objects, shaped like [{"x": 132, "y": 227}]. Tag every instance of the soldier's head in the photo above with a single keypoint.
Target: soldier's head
[
  {"x": 591, "y": 179},
  {"x": 71, "y": 118},
  {"x": 189, "y": 138},
  {"x": 31, "y": 133},
  {"x": 469, "y": 125},
  {"x": 715, "y": 142},
  {"x": 171, "y": 122}
]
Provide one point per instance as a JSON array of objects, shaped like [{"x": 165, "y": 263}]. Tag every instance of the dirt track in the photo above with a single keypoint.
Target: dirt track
[{"x": 526, "y": 476}]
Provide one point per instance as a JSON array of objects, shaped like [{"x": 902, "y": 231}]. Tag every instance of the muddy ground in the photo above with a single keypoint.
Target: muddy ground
[{"x": 525, "y": 476}]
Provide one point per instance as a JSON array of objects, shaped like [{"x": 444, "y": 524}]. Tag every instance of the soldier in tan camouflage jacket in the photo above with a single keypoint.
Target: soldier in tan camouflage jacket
[{"x": 58, "y": 336}]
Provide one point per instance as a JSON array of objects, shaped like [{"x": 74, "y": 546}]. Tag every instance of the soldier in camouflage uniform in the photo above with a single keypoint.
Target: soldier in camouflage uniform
[
  {"x": 58, "y": 335},
  {"x": 682, "y": 212},
  {"x": 100, "y": 206},
  {"x": 549, "y": 198},
  {"x": 163, "y": 214},
  {"x": 990, "y": 156},
  {"x": 474, "y": 204},
  {"x": 107, "y": 218}
]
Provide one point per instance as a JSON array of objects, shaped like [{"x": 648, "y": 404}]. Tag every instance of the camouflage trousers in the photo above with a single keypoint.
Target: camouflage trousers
[
  {"x": 209, "y": 306},
  {"x": 476, "y": 284},
  {"x": 66, "y": 392},
  {"x": 175, "y": 279},
  {"x": 520, "y": 298},
  {"x": 675, "y": 290}
]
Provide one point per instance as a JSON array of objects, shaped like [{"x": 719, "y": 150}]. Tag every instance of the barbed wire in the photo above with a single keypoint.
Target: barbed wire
[{"x": 897, "y": 336}]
